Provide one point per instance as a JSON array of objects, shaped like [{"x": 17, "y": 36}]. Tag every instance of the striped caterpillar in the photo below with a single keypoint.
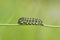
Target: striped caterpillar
[{"x": 30, "y": 21}]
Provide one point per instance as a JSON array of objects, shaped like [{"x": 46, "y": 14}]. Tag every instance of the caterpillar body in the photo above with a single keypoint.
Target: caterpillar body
[{"x": 30, "y": 21}]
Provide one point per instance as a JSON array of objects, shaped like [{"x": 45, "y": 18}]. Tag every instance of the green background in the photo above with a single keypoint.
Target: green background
[{"x": 46, "y": 10}]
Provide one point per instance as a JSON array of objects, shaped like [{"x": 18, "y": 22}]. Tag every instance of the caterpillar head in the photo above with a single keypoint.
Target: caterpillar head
[{"x": 21, "y": 20}]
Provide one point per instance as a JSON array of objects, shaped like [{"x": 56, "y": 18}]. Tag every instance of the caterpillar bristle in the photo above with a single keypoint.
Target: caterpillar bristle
[{"x": 30, "y": 21}]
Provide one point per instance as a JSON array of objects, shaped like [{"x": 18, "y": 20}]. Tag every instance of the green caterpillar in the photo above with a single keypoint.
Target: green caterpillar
[{"x": 30, "y": 21}]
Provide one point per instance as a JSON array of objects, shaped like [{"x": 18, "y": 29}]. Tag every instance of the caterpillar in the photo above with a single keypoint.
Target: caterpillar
[{"x": 30, "y": 21}]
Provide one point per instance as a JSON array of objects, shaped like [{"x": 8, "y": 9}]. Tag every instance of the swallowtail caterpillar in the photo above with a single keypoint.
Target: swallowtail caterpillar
[{"x": 30, "y": 21}]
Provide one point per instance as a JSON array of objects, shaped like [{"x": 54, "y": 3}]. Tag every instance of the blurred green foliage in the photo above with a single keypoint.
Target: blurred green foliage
[{"x": 47, "y": 10}]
